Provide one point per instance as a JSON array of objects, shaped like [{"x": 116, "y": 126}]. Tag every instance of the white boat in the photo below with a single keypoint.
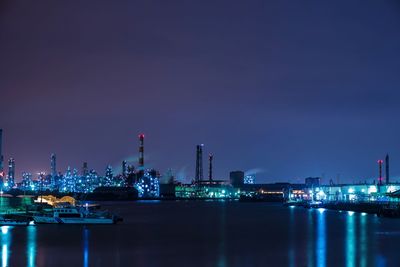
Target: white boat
[{"x": 73, "y": 215}]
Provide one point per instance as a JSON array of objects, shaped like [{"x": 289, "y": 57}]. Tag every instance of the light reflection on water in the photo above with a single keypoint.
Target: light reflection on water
[
  {"x": 350, "y": 240},
  {"x": 292, "y": 248},
  {"x": 5, "y": 245},
  {"x": 288, "y": 236},
  {"x": 31, "y": 246},
  {"x": 85, "y": 247},
  {"x": 310, "y": 239},
  {"x": 321, "y": 239},
  {"x": 6, "y": 242},
  {"x": 363, "y": 240},
  {"x": 222, "y": 241}
]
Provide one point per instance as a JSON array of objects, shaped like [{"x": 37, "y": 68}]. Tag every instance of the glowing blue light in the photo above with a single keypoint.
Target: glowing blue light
[
  {"x": 4, "y": 229},
  {"x": 350, "y": 241},
  {"x": 321, "y": 210},
  {"x": 86, "y": 248},
  {"x": 321, "y": 240},
  {"x": 31, "y": 246},
  {"x": 4, "y": 255},
  {"x": 351, "y": 213}
]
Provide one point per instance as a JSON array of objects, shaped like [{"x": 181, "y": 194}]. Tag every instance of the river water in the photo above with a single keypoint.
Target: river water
[{"x": 194, "y": 233}]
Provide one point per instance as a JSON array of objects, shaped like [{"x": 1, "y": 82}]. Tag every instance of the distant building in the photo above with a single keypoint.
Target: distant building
[
  {"x": 312, "y": 181},
  {"x": 109, "y": 177},
  {"x": 11, "y": 174},
  {"x": 236, "y": 178},
  {"x": 69, "y": 181},
  {"x": 27, "y": 181},
  {"x": 148, "y": 185},
  {"x": 207, "y": 190},
  {"x": 353, "y": 192}
]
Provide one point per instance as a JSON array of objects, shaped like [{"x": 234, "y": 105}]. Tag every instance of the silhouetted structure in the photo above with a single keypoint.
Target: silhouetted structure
[
  {"x": 210, "y": 167},
  {"x": 313, "y": 182},
  {"x": 141, "y": 152},
  {"x": 53, "y": 169},
  {"x": 199, "y": 163},
  {"x": 380, "y": 162},
  {"x": 1, "y": 159},
  {"x": 124, "y": 170},
  {"x": 85, "y": 170},
  {"x": 236, "y": 178},
  {"x": 387, "y": 168}
]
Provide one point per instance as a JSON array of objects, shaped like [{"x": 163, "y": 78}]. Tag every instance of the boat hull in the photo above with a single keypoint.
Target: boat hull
[{"x": 57, "y": 220}]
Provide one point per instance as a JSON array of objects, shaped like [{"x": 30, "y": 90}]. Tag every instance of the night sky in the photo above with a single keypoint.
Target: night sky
[{"x": 290, "y": 88}]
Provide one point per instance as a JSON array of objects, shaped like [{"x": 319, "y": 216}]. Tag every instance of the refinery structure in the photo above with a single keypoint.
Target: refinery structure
[
  {"x": 145, "y": 181},
  {"x": 142, "y": 182}
]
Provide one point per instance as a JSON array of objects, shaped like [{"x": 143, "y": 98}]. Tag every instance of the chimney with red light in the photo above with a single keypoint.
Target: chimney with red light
[
  {"x": 380, "y": 162},
  {"x": 141, "y": 152}
]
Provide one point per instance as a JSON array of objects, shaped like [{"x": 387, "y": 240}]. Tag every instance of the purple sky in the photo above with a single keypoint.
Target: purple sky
[{"x": 292, "y": 88}]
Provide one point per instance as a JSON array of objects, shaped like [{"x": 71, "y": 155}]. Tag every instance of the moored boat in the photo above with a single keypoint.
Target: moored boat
[{"x": 74, "y": 215}]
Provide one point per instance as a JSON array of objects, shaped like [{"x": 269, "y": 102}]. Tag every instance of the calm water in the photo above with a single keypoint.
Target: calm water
[{"x": 209, "y": 234}]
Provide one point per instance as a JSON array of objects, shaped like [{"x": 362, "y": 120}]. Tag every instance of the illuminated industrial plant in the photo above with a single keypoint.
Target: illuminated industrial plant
[{"x": 147, "y": 181}]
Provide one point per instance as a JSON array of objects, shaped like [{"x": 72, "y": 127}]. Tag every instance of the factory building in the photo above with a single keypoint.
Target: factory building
[
  {"x": 352, "y": 192},
  {"x": 207, "y": 190},
  {"x": 236, "y": 178}
]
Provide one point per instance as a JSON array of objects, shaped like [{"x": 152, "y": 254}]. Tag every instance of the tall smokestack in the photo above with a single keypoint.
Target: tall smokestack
[
  {"x": 85, "y": 169},
  {"x": 141, "y": 152},
  {"x": 387, "y": 168},
  {"x": 124, "y": 168},
  {"x": 53, "y": 168},
  {"x": 1, "y": 151},
  {"x": 1, "y": 159},
  {"x": 199, "y": 163},
  {"x": 210, "y": 167},
  {"x": 53, "y": 165},
  {"x": 380, "y": 162}
]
